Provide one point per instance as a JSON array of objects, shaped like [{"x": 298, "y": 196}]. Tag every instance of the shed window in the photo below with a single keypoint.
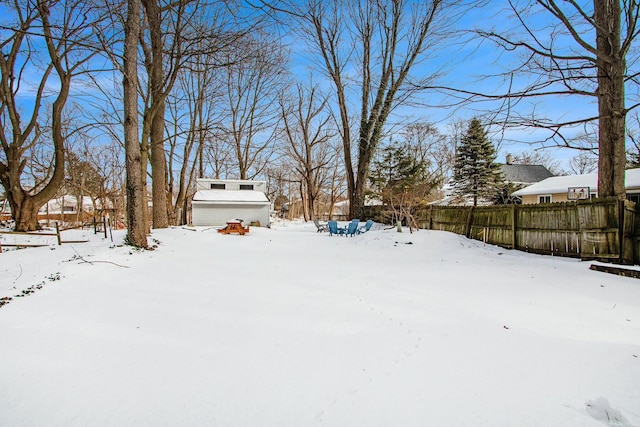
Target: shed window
[
  {"x": 217, "y": 186},
  {"x": 246, "y": 186},
  {"x": 544, "y": 199}
]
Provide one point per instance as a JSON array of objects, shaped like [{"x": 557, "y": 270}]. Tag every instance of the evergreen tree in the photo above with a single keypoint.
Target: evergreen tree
[
  {"x": 476, "y": 174},
  {"x": 401, "y": 181}
]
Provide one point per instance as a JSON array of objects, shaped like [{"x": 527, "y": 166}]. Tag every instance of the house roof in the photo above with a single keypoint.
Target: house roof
[
  {"x": 68, "y": 200},
  {"x": 230, "y": 196},
  {"x": 525, "y": 174},
  {"x": 560, "y": 184}
]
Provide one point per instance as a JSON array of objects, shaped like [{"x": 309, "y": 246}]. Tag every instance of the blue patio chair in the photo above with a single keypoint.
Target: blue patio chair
[
  {"x": 366, "y": 227},
  {"x": 334, "y": 229},
  {"x": 352, "y": 229}
]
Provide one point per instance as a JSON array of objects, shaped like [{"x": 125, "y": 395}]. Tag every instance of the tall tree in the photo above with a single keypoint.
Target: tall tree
[
  {"x": 254, "y": 79},
  {"x": 177, "y": 38},
  {"x": 153, "y": 121},
  {"x": 45, "y": 40},
  {"x": 305, "y": 120},
  {"x": 476, "y": 174},
  {"x": 381, "y": 41},
  {"x": 136, "y": 231},
  {"x": 582, "y": 51}
]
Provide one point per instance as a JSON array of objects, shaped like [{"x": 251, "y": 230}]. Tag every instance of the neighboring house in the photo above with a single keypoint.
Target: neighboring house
[
  {"x": 573, "y": 187},
  {"x": 64, "y": 208},
  {"x": 66, "y": 205},
  {"x": 519, "y": 175},
  {"x": 217, "y": 201}
]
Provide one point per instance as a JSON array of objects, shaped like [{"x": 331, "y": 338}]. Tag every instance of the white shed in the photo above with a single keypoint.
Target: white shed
[{"x": 218, "y": 201}]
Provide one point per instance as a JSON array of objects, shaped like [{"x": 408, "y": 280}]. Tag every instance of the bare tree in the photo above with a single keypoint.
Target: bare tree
[
  {"x": 175, "y": 37},
  {"x": 194, "y": 119},
  {"x": 633, "y": 136},
  {"x": 582, "y": 51},
  {"x": 253, "y": 80},
  {"x": 82, "y": 179},
  {"x": 431, "y": 148},
  {"x": 217, "y": 157},
  {"x": 136, "y": 231},
  {"x": 537, "y": 157},
  {"x": 154, "y": 115},
  {"x": 383, "y": 41},
  {"x": 63, "y": 30},
  {"x": 305, "y": 120},
  {"x": 583, "y": 163}
]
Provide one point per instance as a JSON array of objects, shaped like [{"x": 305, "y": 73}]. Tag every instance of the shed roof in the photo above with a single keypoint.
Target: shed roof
[
  {"x": 560, "y": 184},
  {"x": 230, "y": 196},
  {"x": 525, "y": 174}
]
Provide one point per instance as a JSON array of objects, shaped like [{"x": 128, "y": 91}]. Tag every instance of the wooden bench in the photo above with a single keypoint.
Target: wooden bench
[{"x": 234, "y": 227}]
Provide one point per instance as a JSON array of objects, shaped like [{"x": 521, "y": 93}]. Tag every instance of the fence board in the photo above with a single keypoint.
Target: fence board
[{"x": 591, "y": 229}]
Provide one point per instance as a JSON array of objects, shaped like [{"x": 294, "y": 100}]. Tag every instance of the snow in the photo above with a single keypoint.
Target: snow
[
  {"x": 560, "y": 184},
  {"x": 230, "y": 196},
  {"x": 289, "y": 327}
]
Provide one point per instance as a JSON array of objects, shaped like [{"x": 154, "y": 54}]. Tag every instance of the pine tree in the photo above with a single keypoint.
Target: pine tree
[{"x": 475, "y": 172}]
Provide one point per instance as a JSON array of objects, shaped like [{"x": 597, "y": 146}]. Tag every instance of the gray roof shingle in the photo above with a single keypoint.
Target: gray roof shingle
[{"x": 525, "y": 174}]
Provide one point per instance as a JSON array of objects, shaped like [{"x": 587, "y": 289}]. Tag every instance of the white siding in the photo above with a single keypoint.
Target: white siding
[{"x": 217, "y": 214}]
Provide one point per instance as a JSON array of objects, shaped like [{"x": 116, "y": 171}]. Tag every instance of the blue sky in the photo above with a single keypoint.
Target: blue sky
[
  {"x": 467, "y": 66},
  {"x": 470, "y": 65}
]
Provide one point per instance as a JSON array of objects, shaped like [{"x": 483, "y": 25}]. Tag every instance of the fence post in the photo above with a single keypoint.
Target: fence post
[
  {"x": 430, "y": 217},
  {"x": 621, "y": 214},
  {"x": 58, "y": 233},
  {"x": 514, "y": 230},
  {"x": 467, "y": 231}
]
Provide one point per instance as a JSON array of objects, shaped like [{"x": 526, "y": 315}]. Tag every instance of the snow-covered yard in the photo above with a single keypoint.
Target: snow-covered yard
[{"x": 288, "y": 327}]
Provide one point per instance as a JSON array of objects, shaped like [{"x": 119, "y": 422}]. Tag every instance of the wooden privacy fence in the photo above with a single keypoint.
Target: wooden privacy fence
[{"x": 603, "y": 229}]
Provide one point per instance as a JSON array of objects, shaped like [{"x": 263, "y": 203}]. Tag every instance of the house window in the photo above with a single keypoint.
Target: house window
[
  {"x": 246, "y": 186},
  {"x": 69, "y": 208},
  {"x": 217, "y": 186},
  {"x": 544, "y": 199}
]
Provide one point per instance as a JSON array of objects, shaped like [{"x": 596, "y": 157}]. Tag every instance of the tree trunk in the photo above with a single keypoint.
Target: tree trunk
[
  {"x": 136, "y": 233},
  {"x": 144, "y": 166},
  {"x": 159, "y": 171},
  {"x": 27, "y": 220},
  {"x": 611, "y": 104},
  {"x": 156, "y": 115},
  {"x": 24, "y": 211}
]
